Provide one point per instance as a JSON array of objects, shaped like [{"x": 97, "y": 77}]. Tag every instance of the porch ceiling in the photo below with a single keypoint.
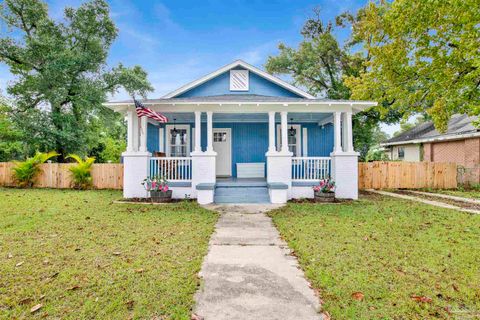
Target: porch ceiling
[{"x": 189, "y": 117}]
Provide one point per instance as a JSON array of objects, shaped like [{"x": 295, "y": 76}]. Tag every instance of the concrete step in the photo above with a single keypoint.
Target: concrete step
[{"x": 241, "y": 195}]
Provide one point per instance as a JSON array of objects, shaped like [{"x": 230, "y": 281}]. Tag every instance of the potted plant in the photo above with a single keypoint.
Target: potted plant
[
  {"x": 158, "y": 189},
  {"x": 324, "y": 191}
]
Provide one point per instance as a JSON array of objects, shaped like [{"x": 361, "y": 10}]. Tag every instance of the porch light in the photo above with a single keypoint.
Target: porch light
[
  {"x": 291, "y": 131},
  {"x": 174, "y": 131}
]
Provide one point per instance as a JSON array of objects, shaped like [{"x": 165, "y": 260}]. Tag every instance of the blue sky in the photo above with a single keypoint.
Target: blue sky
[{"x": 179, "y": 41}]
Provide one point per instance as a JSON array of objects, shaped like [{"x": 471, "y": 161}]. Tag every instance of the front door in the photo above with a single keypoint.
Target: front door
[{"x": 222, "y": 145}]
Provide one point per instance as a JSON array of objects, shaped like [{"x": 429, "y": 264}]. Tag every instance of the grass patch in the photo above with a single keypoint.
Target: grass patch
[
  {"x": 83, "y": 257},
  {"x": 473, "y": 194},
  {"x": 389, "y": 250}
]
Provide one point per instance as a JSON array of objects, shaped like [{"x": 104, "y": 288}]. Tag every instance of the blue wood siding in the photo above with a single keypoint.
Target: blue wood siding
[
  {"x": 221, "y": 85},
  {"x": 250, "y": 140},
  {"x": 153, "y": 142},
  {"x": 320, "y": 139}
]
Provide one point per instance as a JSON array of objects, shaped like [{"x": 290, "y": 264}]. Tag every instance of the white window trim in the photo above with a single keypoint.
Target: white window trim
[
  {"x": 169, "y": 127},
  {"x": 297, "y": 127}
]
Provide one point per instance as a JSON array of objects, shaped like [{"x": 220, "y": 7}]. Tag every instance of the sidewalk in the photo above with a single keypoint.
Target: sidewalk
[{"x": 249, "y": 273}]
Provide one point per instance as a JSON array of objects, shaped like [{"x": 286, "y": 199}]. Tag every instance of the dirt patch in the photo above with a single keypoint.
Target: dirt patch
[{"x": 460, "y": 204}]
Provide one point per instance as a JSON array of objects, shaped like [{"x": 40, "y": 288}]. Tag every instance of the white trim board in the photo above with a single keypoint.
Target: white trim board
[{"x": 243, "y": 64}]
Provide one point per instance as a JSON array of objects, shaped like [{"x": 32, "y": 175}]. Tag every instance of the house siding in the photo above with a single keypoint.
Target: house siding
[
  {"x": 465, "y": 153},
  {"x": 220, "y": 85},
  {"x": 153, "y": 141},
  {"x": 250, "y": 140}
]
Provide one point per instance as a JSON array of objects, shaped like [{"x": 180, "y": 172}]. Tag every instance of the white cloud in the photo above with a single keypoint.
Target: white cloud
[{"x": 258, "y": 55}]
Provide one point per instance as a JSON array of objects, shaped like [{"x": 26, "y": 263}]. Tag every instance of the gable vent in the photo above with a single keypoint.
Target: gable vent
[{"x": 238, "y": 80}]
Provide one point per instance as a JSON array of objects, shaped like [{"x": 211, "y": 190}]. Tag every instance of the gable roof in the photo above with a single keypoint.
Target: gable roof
[
  {"x": 243, "y": 64},
  {"x": 459, "y": 126}
]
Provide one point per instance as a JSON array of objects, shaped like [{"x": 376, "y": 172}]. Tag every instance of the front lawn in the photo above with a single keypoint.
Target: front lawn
[
  {"x": 387, "y": 258},
  {"x": 80, "y": 256}
]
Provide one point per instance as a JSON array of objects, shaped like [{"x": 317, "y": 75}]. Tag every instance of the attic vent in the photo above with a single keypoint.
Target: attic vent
[{"x": 238, "y": 80}]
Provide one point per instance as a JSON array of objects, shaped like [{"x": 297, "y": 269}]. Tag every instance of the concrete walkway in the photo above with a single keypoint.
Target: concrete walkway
[{"x": 249, "y": 273}]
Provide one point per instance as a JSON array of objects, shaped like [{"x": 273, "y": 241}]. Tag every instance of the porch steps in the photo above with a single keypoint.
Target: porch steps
[{"x": 241, "y": 194}]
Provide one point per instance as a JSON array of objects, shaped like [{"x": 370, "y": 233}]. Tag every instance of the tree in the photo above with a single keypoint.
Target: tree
[
  {"x": 320, "y": 63},
  {"x": 423, "y": 57},
  {"x": 11, "y": 147},
  {"x": 406, "y": 125},
  {"x": 61, "y": 72}
]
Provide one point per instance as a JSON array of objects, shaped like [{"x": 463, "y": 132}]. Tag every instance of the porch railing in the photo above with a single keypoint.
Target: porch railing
[
  {"x": 310, "y": 168},
  {"x": 172, "y": 168}
]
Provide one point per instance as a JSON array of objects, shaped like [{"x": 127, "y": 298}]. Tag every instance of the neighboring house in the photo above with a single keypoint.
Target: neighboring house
[
  {"x": 240, "y": 134},
  {"x": 459, "y": 144}
]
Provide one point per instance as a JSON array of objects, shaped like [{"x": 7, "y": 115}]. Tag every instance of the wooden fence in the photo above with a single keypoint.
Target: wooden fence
[
  {"x": 372, "y": 175},
  {"x": 57, "y": 175},
  {"x": 408, "y": 175}
]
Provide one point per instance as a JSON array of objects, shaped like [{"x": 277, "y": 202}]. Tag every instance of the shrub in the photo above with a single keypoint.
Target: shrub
[
  {"x": 25, "y": 172},
  {"x": 81, "y": 172}
]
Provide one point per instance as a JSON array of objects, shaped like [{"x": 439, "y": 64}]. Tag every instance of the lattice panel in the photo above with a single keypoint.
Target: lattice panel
[{"x": 239, "y": 80}]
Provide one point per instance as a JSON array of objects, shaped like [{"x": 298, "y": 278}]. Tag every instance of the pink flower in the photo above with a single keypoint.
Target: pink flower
[
  {"x": 154, "y": 184},
  {"x": 165, "y": 188}
]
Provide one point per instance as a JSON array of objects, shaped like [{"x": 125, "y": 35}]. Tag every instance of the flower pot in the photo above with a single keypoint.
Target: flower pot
[
  {"x": 324, "y": 196},
  {"x": 159, "y": 196}
]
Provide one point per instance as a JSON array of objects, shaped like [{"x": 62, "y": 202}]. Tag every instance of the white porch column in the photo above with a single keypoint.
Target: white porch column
[
  {"x": 143, "y": 134},
  {"x": 209, "y": 131},
  {"x": 337, "y": 133},
  {"x": 130, "y": 115},
  {"x": 135, "y": 135},
  {"x": 271, "y": 131},
  {"x": 284, "y": 130},
  {"x": 198, "y": 131},
  {"x": 349, "y": 135}
]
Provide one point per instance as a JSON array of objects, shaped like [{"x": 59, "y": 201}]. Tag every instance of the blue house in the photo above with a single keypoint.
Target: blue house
[{"x": 240, "y": 134}]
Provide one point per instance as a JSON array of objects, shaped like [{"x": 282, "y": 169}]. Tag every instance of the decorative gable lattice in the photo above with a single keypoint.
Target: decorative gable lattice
[{"x": 239, "y": 80}]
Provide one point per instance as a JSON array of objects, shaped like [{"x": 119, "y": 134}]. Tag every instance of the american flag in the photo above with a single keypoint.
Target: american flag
[{"x": 143, "y": 111}]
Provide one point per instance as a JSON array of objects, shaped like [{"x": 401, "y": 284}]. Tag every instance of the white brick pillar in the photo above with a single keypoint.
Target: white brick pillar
[
  {"x": 135, "y": 169},
  {"x": 344, "y": 163}
]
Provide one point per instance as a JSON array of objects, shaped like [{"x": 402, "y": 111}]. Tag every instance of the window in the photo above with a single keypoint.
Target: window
[
  {"x": 238, "y": 80},
  {"x": 219, "y": 136},
  {"x": 294, "y": 140},
  {"x": 178, "y": 145},
  {"x": 401, "y": 153}
]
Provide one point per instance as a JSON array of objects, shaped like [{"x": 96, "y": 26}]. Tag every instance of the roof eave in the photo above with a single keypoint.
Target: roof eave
[{"x": 449, "y": 137}]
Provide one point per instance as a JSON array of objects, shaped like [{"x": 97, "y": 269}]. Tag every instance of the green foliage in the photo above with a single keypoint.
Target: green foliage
[
  {"x": 62, "y": 64},
  {"x": 82, "y": 171},
  {"x": 320, "y": 63},
  {"x": 376, "y": 155},
  {"x": 10, "y": 136},
  {"x": 406, "y": 125},
  {"x": 421, "y": 57},
  {"x": 26, "y": 171}
]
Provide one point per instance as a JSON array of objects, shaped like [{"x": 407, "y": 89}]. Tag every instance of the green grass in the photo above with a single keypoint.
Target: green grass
[
  {"x": 473, "y": 194},
  {"x": 87, "y": 258},
  {"x": 388, "y": 249}
]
